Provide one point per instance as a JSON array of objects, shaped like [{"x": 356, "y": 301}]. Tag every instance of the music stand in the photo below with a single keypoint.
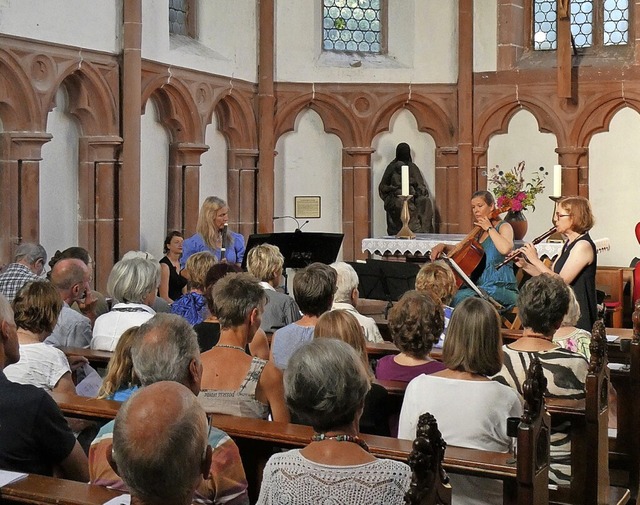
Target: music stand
[{"x": 385, "y": 280}]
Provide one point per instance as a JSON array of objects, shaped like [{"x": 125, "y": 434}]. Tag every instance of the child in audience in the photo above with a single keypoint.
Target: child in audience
[
  {"x": 344, "y": 326},
  {"x": 121, "y": 382},
  {"x": 416, "y": 323},
  {"x": 313, "y": 289},
  {"x": 470, "y": 408}
]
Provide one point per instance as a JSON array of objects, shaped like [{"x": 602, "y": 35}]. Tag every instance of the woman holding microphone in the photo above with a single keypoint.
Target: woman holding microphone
[{"x": 212, "y": 234}]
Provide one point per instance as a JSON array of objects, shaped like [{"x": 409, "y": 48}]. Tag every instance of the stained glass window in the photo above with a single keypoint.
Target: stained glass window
[
  {"x": 352, "y": 25},
  {"x": 614, "y": 29},
  {"x": 179, "y": 17}
]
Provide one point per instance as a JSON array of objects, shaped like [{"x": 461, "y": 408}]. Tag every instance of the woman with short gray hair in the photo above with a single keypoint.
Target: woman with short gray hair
[
  {"x": 325, "y": 385},
  {"x": 133, "y": 283}
]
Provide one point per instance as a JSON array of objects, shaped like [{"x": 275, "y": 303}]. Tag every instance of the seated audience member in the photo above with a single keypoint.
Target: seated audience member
[
  {"x": 437, "y": 278},
  {"x": 166, "y": 349},
  {"x": 346, "y": 298},
  {"x": 121, "y": 381},
  {"x": 416, "y": 322},
  {"x": 34, "y": 436},
  {"x": 470, "y": 408},
  {"x": 94, "y": 304},
  {"x": 313, "y": 289},
  {"x": 232, "y": 381},
  {"x": 28, "y": 266},
  {"x": 160, "y": 445},
  {"x": 72, "y": 279},
  {"x": 159, "y": 304},
  {"x": 568, "y": 336},
  {"x": 265, "y": 263},
  {"x": 36, "y": 308},
  {"x": 172, "y": 284},
  {"x": 208, "y": 331},
  {"x": 326, "y": 383},
  {"x": 344, "y": 326},
  {"x": 193, "y": 305},
  {"x": 542, "y": 303},
  {"x": 134, "y": 283}
]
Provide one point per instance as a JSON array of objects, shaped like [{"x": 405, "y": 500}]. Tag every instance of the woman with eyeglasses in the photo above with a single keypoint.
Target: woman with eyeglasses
[{"x": 577, "y": 263}]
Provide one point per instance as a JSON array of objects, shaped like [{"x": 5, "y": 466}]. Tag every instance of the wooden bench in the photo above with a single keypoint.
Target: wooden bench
[
  {"x": 257, "y": 440},
  {"x": 50, "y": 490}
]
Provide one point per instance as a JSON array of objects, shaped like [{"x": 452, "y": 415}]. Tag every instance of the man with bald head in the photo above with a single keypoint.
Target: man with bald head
[
  {"x": 72, "y": 279},
  {"x": 28, "y": 266},
  {"x": 160, "y": 445},
  {"x": 34, "y": 435},
  {"x": 167, "y": 349}
]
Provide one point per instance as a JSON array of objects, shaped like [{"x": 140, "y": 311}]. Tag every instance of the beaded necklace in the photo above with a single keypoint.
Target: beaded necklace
[
  {"x": 342, "y": 437},
  {"x": 227, "y": 346}
]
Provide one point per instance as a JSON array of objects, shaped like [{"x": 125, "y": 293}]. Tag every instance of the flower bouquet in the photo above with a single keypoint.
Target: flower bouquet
[{"x": 511, "y": 189}]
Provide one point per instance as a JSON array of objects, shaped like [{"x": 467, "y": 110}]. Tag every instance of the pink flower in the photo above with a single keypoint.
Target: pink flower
[
  {"x": 516, "y": 205},
  {"x": 503, "y": 201},
  {"x": 521, "y": 196}
]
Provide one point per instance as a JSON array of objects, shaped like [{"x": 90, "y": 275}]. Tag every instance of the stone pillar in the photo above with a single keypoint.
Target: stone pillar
[
  {"x": 129, "y": 211},
  {"x": 20, "y": 155},
  {"x": 98, "y": 218},
  {"x": 446, "y": 206},
  {"x": 242, "y": 193},
  {"x": 465, "y": 180},
  {"x": 575, "y": 170},
  {"x": 183, "y": 183},
  {"x": 266, "y": 115},
  {"x": 356, "y": 200}
]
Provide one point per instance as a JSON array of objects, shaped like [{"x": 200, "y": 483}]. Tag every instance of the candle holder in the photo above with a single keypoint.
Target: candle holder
[{"x": 405, "y": 232}]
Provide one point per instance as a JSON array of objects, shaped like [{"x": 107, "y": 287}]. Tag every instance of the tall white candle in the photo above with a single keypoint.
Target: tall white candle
[
  {"x": 557, "y": 180},
  {"x": 405, "y": 180}
]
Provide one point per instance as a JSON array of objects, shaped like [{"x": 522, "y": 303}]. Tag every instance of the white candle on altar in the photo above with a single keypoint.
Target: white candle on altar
[
  {"x": 405, "y": 180},
  {"x": 557, "y": 180}
]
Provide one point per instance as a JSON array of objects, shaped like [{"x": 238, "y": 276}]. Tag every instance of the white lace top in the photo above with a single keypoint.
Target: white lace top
[{"x": 291, "y": 479}]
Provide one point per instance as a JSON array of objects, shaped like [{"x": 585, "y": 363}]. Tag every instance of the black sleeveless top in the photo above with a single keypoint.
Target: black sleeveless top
[
  {"x": 176, "y": 281},
  {"x": 584, "y": 285}
]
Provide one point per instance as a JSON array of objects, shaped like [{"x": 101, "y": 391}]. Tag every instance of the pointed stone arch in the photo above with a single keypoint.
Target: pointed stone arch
[
  {"x": 495, "y": 119},
  {"x": 177, "y": 110},
  {"x": 597, "y": 116},
  {"x": 429, "y": 116},
  {"x": 336, "y": 117},
  {"x": 19, "y": 109},
  {"x": 237, "y": 120},
  {"x": 91, "y": 100}
]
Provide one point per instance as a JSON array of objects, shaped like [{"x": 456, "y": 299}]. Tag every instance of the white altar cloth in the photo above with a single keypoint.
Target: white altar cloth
[{"x": 424, "y": 242}]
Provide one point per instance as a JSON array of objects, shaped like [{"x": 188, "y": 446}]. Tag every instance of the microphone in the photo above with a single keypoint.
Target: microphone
[
  {"x": 299, "y": 229},
  {"x": 223, "y": 236},
  {"x": 289, "y": 217}
]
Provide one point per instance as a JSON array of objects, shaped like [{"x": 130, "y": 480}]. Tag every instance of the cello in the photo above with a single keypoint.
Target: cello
[{"x": 468, "y": 253}]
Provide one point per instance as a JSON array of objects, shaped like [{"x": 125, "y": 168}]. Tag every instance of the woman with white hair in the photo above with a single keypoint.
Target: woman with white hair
[
  {"x": 325, "y": 386},
  {"x": 134, "y": 284}
]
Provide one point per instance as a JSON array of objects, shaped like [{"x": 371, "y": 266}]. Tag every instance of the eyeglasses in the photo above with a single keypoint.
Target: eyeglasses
[{"x": 558, "y": 215}]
